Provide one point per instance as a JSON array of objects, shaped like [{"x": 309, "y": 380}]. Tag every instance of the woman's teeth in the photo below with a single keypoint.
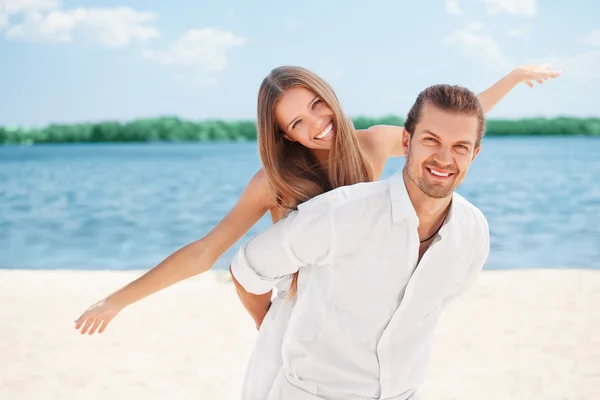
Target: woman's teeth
[{"x": 326, "y": 132}]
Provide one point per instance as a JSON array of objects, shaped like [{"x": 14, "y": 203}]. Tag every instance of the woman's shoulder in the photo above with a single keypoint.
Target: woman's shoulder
[
  {"x": 378, "y": 143},
  {"x": 259, "y": 188},
  {"x": 379, "y": 138}
]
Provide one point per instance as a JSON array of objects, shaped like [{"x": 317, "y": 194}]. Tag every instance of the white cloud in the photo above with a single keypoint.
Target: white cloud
[
  {"x": 120, "y": 26},
  {"x": 517, "y": 7},
  {"x": 201, "y": 52},
  {"x": 10, "y": 8},
  {"x": 452, "y": 7},
  {"x": 46, "y": 21},
  {"x": 476, "y": 43},
  {"x": 518, "y": 32},
  {"x": 592, "y": 38},
  {"x": 14, "y": 7},
  {"x": 53, "y": 27}
]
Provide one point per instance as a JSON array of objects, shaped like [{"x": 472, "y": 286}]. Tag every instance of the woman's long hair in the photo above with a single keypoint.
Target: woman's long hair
[{"x": 294, "y": 173}]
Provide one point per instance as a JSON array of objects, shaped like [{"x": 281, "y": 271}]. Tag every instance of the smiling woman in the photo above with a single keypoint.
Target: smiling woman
[
  {"x": 307, "y": 127},
  {"x": 302, "y": 131}
]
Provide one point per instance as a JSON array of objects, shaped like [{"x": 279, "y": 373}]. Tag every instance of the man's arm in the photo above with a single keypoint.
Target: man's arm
[{"x": 479, "y": 259}]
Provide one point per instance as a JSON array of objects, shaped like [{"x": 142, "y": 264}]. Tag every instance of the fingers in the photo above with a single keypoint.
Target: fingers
[
  {"x": 95, "y": 326},
  {"x": 79, "y": 321},
  {"x": 542, "y": 70},
  {"x": 103, "y": 326},
  {"x": 91, "y": 324},
  {"x": 550, "y": 74},
  {"x": 87, "y": 325},
  {"x": 540, "y": 76}
]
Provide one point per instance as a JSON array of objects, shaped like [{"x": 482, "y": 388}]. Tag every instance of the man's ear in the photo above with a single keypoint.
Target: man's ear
[
  {"x": 476, "y": 152},
  {"x": 405, "y": 141}
]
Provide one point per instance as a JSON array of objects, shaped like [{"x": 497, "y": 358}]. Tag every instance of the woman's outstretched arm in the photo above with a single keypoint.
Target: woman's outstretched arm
[
  {"x": 383, "y": 141},
  {"x": 528, "y": 73},
  {"x": 192, "y": 259}
]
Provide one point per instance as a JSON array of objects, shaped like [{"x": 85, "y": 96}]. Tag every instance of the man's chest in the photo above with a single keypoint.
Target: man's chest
[{"x": 376, "y": 282}]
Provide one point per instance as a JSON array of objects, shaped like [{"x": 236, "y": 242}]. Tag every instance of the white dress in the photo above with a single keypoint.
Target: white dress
[{"x": 265, "y": 361}]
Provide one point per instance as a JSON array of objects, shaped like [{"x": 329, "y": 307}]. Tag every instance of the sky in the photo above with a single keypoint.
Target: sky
[{"x": 90, "y": 61}]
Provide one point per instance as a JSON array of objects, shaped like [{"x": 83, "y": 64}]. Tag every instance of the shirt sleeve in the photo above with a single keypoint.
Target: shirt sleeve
[
  {"x": 480, "y": 256},
  {"x": 302, "y": 238}
]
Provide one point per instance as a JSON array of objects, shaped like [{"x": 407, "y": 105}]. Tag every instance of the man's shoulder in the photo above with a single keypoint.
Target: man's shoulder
[{"x": 468, "y": 213}]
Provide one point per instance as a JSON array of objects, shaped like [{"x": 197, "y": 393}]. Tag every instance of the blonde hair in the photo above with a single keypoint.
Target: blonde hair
[{"x": 294, "y": 173}]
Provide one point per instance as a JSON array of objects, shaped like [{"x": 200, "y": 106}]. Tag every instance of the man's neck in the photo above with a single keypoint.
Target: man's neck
[{"x": 429, "y": 210}]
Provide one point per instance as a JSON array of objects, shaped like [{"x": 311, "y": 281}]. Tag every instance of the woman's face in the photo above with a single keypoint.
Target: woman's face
[{"x": 305, "y": 118}]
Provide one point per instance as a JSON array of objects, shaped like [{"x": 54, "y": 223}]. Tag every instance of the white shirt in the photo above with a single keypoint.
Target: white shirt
[{"x": 365, "y": 313}]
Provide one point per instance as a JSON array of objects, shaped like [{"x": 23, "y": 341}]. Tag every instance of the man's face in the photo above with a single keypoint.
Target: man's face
[{"x": 440, "y": 151}]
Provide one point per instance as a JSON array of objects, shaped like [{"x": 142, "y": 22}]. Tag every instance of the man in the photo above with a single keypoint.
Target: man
[{"x": 378, "y": 262}]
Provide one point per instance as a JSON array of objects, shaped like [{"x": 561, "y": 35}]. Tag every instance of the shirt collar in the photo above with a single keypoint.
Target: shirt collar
[{"x": 402, "y": 207}]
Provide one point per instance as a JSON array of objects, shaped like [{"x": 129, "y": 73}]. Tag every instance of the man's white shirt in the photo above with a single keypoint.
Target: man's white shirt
[{"x": 365, "y": 312}]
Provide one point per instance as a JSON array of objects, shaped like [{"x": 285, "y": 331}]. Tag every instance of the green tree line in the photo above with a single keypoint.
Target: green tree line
[{"x": 176, "y": 129}]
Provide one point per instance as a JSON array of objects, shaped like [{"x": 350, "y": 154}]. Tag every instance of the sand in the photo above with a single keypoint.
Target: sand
[{"x": 527, "y": 335}]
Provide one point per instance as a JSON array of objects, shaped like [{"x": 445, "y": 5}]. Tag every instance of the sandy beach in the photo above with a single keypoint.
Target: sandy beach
[{"x": 521, "y": 334}]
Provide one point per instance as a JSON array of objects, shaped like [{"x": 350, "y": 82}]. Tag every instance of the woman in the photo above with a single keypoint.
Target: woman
[{"x": 307, "y": 146}]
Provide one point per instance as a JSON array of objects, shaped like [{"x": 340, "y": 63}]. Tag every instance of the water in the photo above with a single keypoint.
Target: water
[{"x": 128, "y": 206}]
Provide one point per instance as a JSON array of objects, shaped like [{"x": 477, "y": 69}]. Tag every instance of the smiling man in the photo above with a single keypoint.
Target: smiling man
[{"x": 377, "y": 263}]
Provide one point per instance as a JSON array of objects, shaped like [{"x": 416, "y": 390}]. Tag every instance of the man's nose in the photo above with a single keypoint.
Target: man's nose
[{"x": 444, "y": 156}]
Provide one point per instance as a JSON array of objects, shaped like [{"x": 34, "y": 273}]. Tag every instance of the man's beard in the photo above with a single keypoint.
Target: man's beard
[{"x": 433, "y": 190}]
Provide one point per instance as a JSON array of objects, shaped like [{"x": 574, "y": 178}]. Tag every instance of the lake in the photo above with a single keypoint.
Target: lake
[{"x": 128, "y": 206}]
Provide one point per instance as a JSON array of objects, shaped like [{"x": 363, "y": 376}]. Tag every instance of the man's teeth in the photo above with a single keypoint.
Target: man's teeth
[
  {"x": 325, "y": 133},
  {"x": 439, "y": 173}
]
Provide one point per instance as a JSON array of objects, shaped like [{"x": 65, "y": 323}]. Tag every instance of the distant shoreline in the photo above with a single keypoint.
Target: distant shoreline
[{"x": 173, "y": 129}]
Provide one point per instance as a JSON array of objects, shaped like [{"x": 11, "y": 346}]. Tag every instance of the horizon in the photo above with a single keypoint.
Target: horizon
[{"x": 353, "y": 117}]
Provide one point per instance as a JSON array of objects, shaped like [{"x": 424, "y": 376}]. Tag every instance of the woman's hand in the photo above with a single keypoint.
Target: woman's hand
[
  {"x": 97, "y": 316},
  {"x": 537, "y": 73}
]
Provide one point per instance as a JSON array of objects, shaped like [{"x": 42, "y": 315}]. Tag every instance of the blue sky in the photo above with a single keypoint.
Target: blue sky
[{"x": 75, "y": 61}]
